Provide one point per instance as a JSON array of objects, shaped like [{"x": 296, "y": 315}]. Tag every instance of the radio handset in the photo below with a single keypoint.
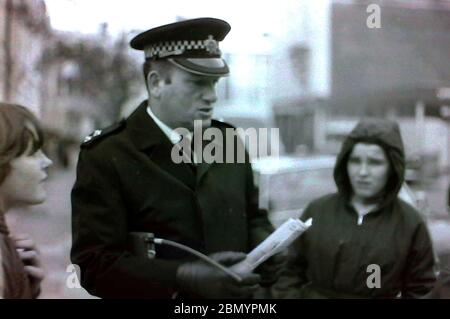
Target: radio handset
[{"x": 142, "y": 244}]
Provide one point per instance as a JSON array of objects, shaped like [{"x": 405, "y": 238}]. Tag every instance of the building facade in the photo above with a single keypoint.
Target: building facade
[{"x": 24, "y": 34}]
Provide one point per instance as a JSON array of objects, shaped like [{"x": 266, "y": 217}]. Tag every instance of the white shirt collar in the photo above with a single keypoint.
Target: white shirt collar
[{"x": 171, "y": 134}]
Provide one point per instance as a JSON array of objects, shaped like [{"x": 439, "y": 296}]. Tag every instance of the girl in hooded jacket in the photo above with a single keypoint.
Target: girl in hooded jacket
[{"x": 365, "y": 242}]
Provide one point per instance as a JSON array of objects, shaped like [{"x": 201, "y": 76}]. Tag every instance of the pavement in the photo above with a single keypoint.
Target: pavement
[{"x": 50, "y": 226}]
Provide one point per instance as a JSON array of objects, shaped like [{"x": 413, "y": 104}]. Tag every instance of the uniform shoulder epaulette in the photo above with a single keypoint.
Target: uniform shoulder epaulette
[
  {"x": 220, "y": 123},
  {"x": 98, "y": 135}
]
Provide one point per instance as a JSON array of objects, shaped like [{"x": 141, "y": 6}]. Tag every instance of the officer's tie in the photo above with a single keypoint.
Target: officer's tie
[{"x": 189, "y": 151}]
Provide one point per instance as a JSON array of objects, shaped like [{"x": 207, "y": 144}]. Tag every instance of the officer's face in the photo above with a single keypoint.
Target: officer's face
[
  {"x": 368, "y": 170},
  {"x": 188, "y": 97}
]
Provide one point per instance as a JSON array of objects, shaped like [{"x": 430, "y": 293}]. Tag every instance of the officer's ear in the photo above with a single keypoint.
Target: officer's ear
[{"x": 154, "y": 83}]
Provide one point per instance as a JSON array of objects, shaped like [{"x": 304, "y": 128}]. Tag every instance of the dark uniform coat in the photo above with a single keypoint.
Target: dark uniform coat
[
  {"x": 332, "y": 259},
  {"x": 127, "y": 182}
]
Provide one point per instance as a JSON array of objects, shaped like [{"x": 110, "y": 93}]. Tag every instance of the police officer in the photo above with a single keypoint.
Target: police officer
[{"x": 127, "y": 181}]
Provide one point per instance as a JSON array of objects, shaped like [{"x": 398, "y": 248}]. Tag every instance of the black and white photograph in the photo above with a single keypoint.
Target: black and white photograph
[{"x": 248, "y": 151}]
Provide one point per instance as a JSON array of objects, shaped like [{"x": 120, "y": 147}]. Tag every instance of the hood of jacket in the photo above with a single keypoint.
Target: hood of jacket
[{"x": 384, "y": 133}]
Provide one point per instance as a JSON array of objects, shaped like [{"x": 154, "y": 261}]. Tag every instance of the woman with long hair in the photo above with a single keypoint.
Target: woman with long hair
[{"x": 22, "y": 174}]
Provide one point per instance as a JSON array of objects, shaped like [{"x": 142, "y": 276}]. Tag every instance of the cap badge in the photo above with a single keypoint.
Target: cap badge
[{"x": 211, "y": 45}]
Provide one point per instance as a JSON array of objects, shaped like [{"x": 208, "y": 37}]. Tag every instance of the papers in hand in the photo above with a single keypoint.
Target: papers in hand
[{"x": 278, "y": 241}]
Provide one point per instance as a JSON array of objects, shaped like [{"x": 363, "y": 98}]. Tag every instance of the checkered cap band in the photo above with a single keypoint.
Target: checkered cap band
[{"x": 173, "y": 48}]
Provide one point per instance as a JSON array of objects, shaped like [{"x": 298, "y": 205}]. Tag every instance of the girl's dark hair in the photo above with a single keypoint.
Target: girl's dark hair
[{"x": 19, "y": 129}]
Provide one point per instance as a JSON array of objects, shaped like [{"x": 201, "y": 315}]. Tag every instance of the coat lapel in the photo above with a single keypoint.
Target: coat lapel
[
  {"x": 148, "y": 138},
  {"x": 203, "y": 167}
]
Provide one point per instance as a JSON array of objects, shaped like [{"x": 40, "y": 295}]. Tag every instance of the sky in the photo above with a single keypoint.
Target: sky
[
  {"x": 258, "y": 27},
  {"x": 249, "y": 18}
]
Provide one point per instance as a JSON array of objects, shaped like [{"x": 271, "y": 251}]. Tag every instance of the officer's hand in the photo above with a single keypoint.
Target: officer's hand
[
  {"x": 271, "y": 269},
  {"x": 209, "y": 282}
]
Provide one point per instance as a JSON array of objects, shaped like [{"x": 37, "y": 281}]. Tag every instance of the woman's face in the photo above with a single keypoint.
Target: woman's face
[
  {"x": 368, "y": 170},
  {"x": 24, "y": 183}
]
